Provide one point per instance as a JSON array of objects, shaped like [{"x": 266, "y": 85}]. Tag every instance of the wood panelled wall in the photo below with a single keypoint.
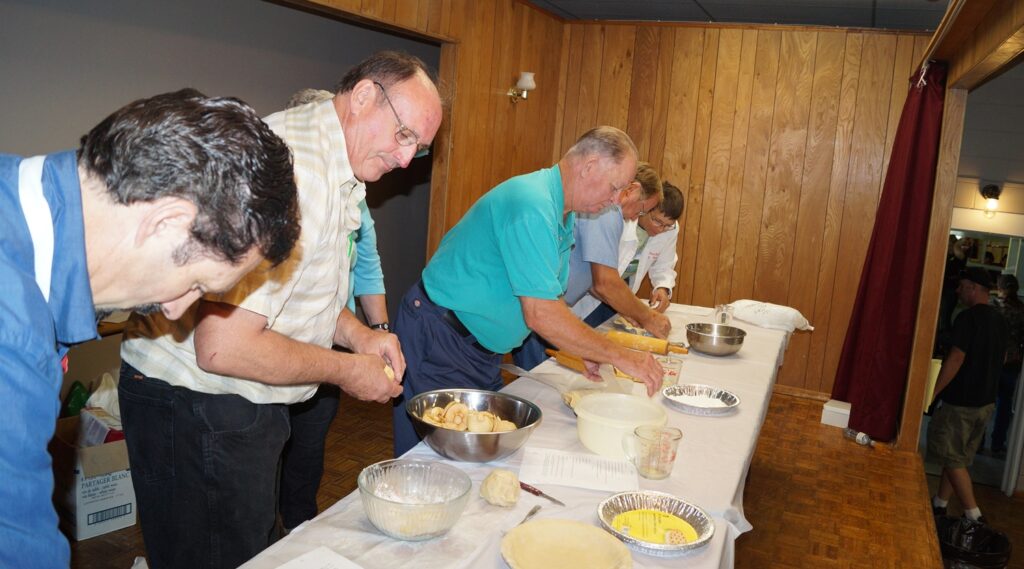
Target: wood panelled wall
[
  {"x": 778, "y": 137},
  {"x": 485, "y": 44}
]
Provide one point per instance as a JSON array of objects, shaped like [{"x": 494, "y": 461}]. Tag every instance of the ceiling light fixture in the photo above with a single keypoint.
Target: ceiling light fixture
[{"x": 991, "y": 194}]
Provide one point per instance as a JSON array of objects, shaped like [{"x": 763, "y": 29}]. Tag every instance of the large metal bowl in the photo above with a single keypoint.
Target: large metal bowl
[
  {"x": 714, "y": 339},
  {"x": 475, "y": 447}
]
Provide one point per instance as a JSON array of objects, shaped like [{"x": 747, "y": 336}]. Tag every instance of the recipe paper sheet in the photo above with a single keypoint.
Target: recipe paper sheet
[
  {"x": 320, "y": 558},
  {"x": 580, "y": 470}
]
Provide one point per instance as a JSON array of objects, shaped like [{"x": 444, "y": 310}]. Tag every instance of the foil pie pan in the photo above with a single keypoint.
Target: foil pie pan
[
  {"x": 660, "y": 501},
  {"x": 687, "y": 398}
]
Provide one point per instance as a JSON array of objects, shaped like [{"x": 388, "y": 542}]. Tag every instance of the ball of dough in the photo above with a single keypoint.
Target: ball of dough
[{"x": 500, "y": 488}]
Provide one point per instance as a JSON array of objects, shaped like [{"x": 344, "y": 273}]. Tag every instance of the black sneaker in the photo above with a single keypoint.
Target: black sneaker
[
  {"x": 938, "y": 510},
  {"x": 981, "y": 519}
]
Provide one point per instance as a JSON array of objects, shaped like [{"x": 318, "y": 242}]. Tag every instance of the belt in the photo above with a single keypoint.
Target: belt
[{"x": 453, "y": 321}]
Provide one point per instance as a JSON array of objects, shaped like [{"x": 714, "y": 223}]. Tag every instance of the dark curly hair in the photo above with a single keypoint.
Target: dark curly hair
[{"x": 213, "y": 152}]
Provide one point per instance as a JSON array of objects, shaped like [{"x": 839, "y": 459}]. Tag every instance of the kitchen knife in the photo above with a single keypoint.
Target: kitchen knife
[{"x": 537, "y": 492}]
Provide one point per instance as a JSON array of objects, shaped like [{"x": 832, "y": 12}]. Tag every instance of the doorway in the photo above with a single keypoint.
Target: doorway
[{"x": 991, "y": 234}]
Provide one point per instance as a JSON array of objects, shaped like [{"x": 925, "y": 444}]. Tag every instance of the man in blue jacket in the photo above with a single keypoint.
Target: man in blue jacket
[{"x": 166, "y": 199}]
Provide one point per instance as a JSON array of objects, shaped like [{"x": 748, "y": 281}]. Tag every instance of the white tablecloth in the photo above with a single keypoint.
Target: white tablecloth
[{"x": 713, "y": 459}]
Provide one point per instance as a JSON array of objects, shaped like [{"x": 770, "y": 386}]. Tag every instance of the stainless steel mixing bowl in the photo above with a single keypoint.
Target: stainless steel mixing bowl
[
  {"x": 475, "y": 447},
  {"x": 714, "y": 339}
]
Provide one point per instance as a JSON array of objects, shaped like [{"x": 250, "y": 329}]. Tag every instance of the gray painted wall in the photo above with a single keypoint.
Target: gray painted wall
[
  {"x": 993, "y": 144},
  {"x": 66, "y": 64}
]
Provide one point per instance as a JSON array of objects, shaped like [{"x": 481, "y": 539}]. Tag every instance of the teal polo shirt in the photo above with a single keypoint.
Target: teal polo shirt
[{"x": 513, "y": 242}]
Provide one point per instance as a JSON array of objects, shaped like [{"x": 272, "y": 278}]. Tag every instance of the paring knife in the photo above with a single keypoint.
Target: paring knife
[{"x": 537, "y": 492}]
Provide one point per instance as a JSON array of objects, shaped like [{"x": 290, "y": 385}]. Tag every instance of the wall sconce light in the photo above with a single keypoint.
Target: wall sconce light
[
  {"x": 522, "y": 87},
  {"x": 991, "y": 194}
]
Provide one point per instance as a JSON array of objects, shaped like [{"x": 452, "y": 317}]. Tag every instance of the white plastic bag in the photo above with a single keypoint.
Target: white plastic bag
[
  {"x": 768, "y": 315},
  {"x": 105, "y": 396}
]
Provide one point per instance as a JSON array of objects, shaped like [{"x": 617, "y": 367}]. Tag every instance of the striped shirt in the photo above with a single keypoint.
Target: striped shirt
[{"x": 302, "y": 297}]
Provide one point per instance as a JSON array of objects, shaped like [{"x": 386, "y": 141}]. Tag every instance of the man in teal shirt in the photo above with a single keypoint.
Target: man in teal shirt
[{"x": 501, "y": 272}]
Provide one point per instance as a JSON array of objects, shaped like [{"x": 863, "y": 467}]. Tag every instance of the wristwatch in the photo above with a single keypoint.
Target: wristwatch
[{"x": 382, "y": 326}]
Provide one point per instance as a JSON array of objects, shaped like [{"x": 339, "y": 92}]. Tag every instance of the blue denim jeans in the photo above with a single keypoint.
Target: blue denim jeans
[
  {"x": 204, "y": 468},
  {"x": 436, "y": 357},
  {"x": 302, "y": 464}
]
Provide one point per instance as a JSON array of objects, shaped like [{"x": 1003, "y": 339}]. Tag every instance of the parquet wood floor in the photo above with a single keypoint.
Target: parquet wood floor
[
  {"x": 815, "y": 500},
  {"x": 818, "y": 500}
]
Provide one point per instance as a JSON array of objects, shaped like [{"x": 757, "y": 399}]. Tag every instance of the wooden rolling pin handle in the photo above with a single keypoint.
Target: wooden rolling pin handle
[
  {"x": 567, "y": 360},
  {"x": 642, "y": 343}
]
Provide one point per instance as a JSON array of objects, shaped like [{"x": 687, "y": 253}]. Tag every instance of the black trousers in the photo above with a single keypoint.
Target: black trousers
[
  {"x": 302, "y": 464},
  {"x": 204, "y": 468}
]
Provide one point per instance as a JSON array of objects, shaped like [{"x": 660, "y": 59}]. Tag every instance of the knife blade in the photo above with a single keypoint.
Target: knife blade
[{"x": 537, "y": 492}]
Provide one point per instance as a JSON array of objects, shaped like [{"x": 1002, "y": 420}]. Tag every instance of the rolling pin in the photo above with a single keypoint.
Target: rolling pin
[
  {"x": 575, "y": 363},
  {"x": 645, "y": 343},
  {"x": 568, "y": 360}
]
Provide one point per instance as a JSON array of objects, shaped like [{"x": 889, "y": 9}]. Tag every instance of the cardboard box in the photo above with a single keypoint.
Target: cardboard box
[
  {"x": 836, "y": 413},
  {"x": 96, "y": 426},
  {"x": 93, "y": 486}
]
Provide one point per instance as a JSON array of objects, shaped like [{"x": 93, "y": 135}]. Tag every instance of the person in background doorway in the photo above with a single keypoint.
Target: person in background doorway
[
  {"x": 167, "y": 198},
  {"x": 956, "y": 261},
  {"x": 647, "y": 247},
  {"x": 966, "y": 388},
  {"x": 302, "y": 461},
  {"x": 1012, "y": 310},
  {"x": 204, "y": 403}
]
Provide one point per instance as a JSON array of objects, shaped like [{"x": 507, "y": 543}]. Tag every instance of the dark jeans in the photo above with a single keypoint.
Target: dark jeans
[
  {"x": 436, "y": 357},
  {"x": 531, "y": 353},
  {"x": 204, "y": 468},
  {"x": 1004, "y": 408},
  {"x": 302, "y": 464}
]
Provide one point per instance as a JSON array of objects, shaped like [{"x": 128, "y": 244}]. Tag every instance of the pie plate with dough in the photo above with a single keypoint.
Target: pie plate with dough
[{"x": 543, "y": 544}]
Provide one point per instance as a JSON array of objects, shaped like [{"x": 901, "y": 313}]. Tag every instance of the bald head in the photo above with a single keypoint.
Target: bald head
[{"x": 599, "y": 167}]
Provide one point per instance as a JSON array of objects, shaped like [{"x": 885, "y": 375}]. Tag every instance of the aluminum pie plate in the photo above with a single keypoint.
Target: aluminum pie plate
[
  {"x": 700, "y": 399},
  {"x": 660, "y": 501}
]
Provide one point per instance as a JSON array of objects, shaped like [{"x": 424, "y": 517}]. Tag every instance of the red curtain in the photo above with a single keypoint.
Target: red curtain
[{"x": 872, "y": 372}]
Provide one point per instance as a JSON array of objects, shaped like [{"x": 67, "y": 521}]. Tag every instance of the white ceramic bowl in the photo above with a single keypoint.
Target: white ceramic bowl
[{"x": 604, "y": 418}]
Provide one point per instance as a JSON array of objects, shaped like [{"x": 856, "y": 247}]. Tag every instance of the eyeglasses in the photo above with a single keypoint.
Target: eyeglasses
[
  {"x": 404, "y": 135},
  {"x": 663, "y": 225}
]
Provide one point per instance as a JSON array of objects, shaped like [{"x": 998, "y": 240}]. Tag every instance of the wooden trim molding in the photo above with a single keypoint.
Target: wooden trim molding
[
  {"x": 934, "y": 268},
  {"x": 436, "y": 222},
  {"x": 348, "y": 11},
  {"x": 799, "y": 392},
  {"x": 980, "y": 41}
]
